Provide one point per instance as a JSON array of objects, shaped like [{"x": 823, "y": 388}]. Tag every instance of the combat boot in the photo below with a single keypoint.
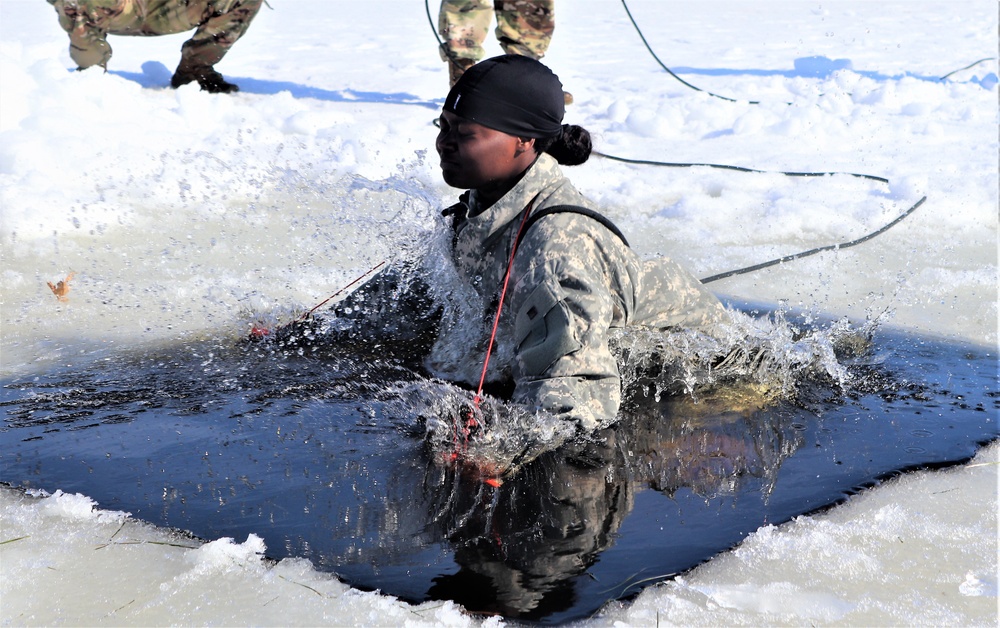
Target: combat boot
[{"x": 209, "y": 80}]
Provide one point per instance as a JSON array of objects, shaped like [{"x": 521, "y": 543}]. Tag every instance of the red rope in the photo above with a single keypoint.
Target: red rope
[
  {"x": 258, "y": 331},
  {"x": 462, "y": 440},
  {"x": 503, "y": 293},
  {"x": 368, "y": 272}
]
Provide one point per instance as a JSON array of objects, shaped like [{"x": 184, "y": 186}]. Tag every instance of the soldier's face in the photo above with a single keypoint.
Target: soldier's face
[{"x": 480, "y": 158}]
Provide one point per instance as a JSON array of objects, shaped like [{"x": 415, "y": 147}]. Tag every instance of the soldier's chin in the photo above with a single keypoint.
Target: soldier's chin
[{"x": 453, "y": 178}]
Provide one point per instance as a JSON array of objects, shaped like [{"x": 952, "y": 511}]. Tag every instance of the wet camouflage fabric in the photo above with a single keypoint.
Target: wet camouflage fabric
[
  {"x": 219, "y": 24},
  {"x": 524, "y": 27},
  {"x": 573, "y": 282}
]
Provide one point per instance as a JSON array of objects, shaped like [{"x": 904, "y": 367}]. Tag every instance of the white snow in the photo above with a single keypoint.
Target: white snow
[{"x": 179, "y": 212}]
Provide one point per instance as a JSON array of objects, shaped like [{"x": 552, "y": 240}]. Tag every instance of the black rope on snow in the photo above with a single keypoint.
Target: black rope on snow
[
  {"x": 831, "y": 247},
  {"x": 787, "y": 258},
  {"x": 452, "y": 60},
  {"x": 430, "y": 20},
  {"x": 752, "y": 102},
  {"x": 966, "y": 67},
  {"x": 647, "y": 162},
  {"x": 671, "y": 72}
]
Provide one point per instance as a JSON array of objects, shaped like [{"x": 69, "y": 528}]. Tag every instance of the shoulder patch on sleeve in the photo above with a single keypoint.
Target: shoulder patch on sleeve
[{"x": 543, "y": 331}]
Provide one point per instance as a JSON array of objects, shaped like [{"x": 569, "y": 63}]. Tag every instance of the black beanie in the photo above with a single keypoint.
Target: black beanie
[{"x": 511, "y": 93}]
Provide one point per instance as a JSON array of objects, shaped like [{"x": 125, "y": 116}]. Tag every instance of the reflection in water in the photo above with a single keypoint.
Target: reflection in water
[
  {"x": 710, "y": 445},
  {"x": 520, "y": 546}
]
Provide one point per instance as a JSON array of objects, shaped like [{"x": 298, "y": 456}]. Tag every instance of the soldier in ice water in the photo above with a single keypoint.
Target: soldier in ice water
[
  {"x": 572, "y": 282},
  {"x": 219, "y": 24},
  {"x": 524, "y": 27}
]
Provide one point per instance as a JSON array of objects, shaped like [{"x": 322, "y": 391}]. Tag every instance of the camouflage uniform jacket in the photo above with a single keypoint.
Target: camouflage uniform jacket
[{"x": 572, "y": 283}]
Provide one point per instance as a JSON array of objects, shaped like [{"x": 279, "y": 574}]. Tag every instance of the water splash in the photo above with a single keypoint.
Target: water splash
[{"x": 769, "y": 354}]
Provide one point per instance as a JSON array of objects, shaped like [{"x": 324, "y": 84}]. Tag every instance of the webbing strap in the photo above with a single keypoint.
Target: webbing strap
[{"x": 570, "y": 209}]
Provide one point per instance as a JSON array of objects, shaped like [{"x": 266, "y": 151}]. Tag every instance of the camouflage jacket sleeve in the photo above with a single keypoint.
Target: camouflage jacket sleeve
[
  {"x": 575, "y": 287},
  {"x": 579, "y": 282}
]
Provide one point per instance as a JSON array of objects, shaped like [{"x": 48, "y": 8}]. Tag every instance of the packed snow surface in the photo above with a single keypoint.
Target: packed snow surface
[{"x": 177, "y": 214}]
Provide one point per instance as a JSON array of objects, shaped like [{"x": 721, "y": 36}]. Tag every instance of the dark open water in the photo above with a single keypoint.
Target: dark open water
[{"x": 222, "y": 439}]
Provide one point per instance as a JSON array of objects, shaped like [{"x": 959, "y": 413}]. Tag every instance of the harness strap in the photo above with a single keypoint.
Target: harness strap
[{"x": 570, "y": 209}]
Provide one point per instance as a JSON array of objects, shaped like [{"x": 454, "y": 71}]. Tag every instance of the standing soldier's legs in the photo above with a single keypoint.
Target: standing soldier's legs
[
  {"x": 463, "y": 25},
  {"x": 525, "y": 27},
  {"x": 88, "y": 46},
  {"x": 88, "y": 22},
  {"x": 225, "y": 21}
]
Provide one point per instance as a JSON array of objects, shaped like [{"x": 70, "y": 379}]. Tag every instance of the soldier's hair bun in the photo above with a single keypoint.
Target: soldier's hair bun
[{"x": 570, "y": 148}]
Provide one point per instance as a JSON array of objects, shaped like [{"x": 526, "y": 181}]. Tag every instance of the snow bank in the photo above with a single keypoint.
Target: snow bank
[{"x": 67, "y": 562}]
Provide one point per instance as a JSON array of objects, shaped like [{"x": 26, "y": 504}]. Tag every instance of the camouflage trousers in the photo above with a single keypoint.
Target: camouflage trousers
[
  {"x": 219, "y": 24},
  {"x": 524, "y": 27}
]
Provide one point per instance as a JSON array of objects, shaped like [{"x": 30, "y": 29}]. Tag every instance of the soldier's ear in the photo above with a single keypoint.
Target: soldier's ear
[{"x": 523, "y": 145}]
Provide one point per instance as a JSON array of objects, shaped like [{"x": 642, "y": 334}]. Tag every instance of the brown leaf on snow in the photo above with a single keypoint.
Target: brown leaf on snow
[{"x": 61, "y": 288}]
